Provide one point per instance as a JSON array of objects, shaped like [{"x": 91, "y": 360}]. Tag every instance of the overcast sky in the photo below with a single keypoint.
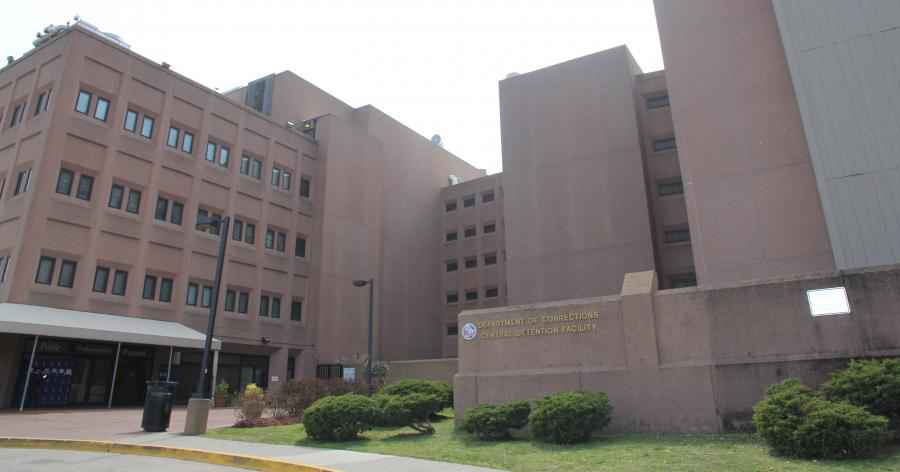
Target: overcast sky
[{"x": 433, "y": 65}]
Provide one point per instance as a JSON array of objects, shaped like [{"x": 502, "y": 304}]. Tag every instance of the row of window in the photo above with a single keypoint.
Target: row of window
[
  {"x": 472, "y": 294},
  {"x": 156, "y": 287},
  {"x": 471, "y": 231},
  {"x": 471, "y": 262},
  {"x": 657, "y": 101},
  {"x": 183, "y": 140},
  {"x": 664, "y": 144},
  {"x": 41, "y": 105},
  {"x": 469, "y": 201}
]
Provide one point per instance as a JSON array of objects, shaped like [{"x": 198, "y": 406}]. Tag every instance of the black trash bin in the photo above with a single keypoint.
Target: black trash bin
[{"x": 158, "y": 406}]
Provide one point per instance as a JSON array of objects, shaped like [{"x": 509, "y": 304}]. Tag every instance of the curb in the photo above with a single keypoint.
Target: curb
[{"x": 193, "y": 455}]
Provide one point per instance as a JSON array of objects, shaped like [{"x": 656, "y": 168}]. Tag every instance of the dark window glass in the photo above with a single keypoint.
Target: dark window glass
[
  {"x": 202, "y": 214},
  {"x": 120, "y": 282},
  {"x": 452, "y": 297},
  {"x": 469, "y": 201},
  {"x": 276, "y": 307},
  {"x": 115, "y": 196},
  {"x": 165, "y": 290},
  {"x": 177, "y": 213},
  {"x": 270, "y": 239},
  {"x": 664, "y": 144},
  {"x": 452, "y": 266},
  {"x": 101, "y": 278},
  {"x": 470, "y": 232},
  {"x": 250, "y": 234},
  {"x": 67, "y": 273},
  {"x": 256, "y": 168},
  {"x": 16, "y": 114},
  {"x": 172, "y": 139},
  {"x": 297, "y": 310},
  {"x": 471, "y": 262},
  {"x": 192, "y": 290},
  {"x": 230, "y": 296},
  {"x": 452, "y": 330},
  {"x": 206, "y": 296},
  {"x": 451, "y": 236},
  {"x": 280, "y": 241},
  {"x": 187, "y": 144},
  {"x": 683, "y": 280},
  {"x": 85, "y": 187},
  {"x": 149, "y": 287},
  {"x": 490, "y": 259},
  {"x": 46, "y": 265},
  {"x": 300, "y": 247},
  {"x": 450, "y": 206},
  {"x": 134, "y": 201},
  {"x": 23, "y": 180},
  {"x": 276, "y": 177},
  {"x": 672, "y": 187},
  {"x": 83, "y": 102},
  {"x": 471, "y": 295},
  {"x": 264, "y": 305},
  {"x": 211, "y": 152},
  {"x": 41, "y": 103},
  {"x": 101, "y": 111},
  {"x": 676, "y": 235},
  {"x": 64, "y": 181},
  {"x": 491, "y": 292},
  {"x": 147, "y": 127},
  {"x": 131, "y": 120},
  {"x": 291, "y": 366},
  {"x": 305, "y": 187},
  {"x": 245, "y": 164},
  {"x": 243, "y": 302},
  {"x": 489, "y": 228},
  {"x": 658, "y": 101},
  {"x": 237, "y": 231},
  {"x": 487, "y": 197},
  {"x": 162, "y": 209}
]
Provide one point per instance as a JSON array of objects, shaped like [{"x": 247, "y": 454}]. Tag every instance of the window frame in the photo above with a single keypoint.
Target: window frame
[
  {"x": 169, "y": 137},
  {"x": 69, "y": 282},
  {"x": 50, "y": 271},
  {"x": 115, "y": 278},
  {"x": 80, "y": 192},
  {"x": 143, "y": 131},
  {"x": 150, "y": 281},
  {"x": 106, "y": 108},
  {"x": 106, "y": 271},
  {"x": 134, "y": 125},
  {"x": 59, "y": 181},
  {"x": 90, "y": 99}
]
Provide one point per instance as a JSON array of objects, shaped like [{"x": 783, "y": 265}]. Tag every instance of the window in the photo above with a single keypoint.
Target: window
[
  {"x": 281, "y": 178},
  {"x": 251, "y": 166},
  {"x": 115, "y": 196},
  {"x": 291, "y": 365},
  {"x": 243, "y": 302},
  {"x": 488, "y": 228},
  {"x": 300, "y": 247},
  {"x": 17, "y": 114},
  {"x": 487, "y": 197},
  {"x": 450, "y": 236},
  {"x": 452, "y": 297},
  {"x": 657, "y": 101},
  {"x": 470, "y": 232},
  {"x": 275, "y": 240},
  {"x": 149, "y": 287},
  {"x": 187, "y": 144},
  {"x": 243, "y": 231},
  {"x": 471, "y": 262},
  {"x": 276, "y": 307},
  {"x": 120, "y": 282},
  {"x": 134, "y": 201},
  {"x": 250, "y": 233},
  {"x": 177, "y": 213},
  {"x": 677, "y": 235},
  {"x": 305, "y": 183},
  {"x": 237, "y": 230},
  {"x": 670, "y": 187},
  {"x": 450, "y": 206},
  {"x": 64, "y": 181},
  {"x": 43, "y": 102},
  {"x": 471, "y": 295},
  {"x": 276, "y": 176},
  {"x": 491, "y": 292},
  {"x": 206, "y": 296},
  {"x": 230, "y": 299},
  {"x": 101, "y": 110},
  {"x": 211, "y": 229},
  {"x": 172, "y": 139},
  {"x": 212, "y": 149},
  {"x": 147, "y": 127},
  {"x": 469, "y": 201},
  {"x": 452, "y": 330},
  {"x": 67, "y": 273},
  {"x": 44, "y": 275},
  {"x": 85, "y": 187},
  {"x": 4, "y": 264},
  {"x": 297, "y": 310},
  {"x": 664, "y": 144},
  {"x": 451, "y": 266},
  {"x": 165, "y": 289},
  {"x": 683, "y": 280},
  {"x": 224, "y": 156},
  {"x": 162, "y": 209},
  {"x": 2, "y": 184},
  {"x": 192, "y": 290},
  {"x": 161, "y": 213},
  {"x": 83, "y": 102},
  {"x": 264, "y": 305},
  {"x": 23, "y": 181},
  {"x": 490, "y": 258},
  {"x": 101, "y": 278},
  {"x": 131, "y": 117}
]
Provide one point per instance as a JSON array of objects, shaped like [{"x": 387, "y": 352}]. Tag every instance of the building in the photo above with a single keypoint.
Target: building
[{"x": 108, "y": 160}]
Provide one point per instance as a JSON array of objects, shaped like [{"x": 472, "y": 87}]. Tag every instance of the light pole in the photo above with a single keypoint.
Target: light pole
[
  {"x": 371, "y": 284},
  {"x": 199, "y": 404}
]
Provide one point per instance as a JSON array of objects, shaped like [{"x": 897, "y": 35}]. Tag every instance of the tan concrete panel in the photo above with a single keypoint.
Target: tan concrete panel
[
  {"x": 24, "y": 83},
  {"x": 101, "y": 76},
  {"x": 146, "y": 97},
  {"x": 132, "y": 169},
  {"x": 187, "y": 113}
]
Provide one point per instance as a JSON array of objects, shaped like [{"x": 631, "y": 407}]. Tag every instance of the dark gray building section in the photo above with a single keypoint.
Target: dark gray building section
[{"x": 844, "y": 59}]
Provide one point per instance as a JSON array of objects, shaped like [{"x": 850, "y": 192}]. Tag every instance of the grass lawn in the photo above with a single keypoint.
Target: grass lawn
[{"x": 619, "y": 453}]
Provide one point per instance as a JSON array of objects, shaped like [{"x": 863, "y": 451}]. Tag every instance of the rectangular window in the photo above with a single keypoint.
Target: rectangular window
[
  {"x": 101, "y": 278},
  {"x": 64, "y": 181},
  {"x": 683, "y": 280},
  {"x": 101, "y": 110},
  {"x": 83, "y": 102},
  {"x": 243, "y": 302},
  {"x": 16, "y": 116},
  {"x": 471, "y": 262},
  {"x": 664, "y": 144},
  {"x": 451, "y": 266},
  {"x": 250, "y": 233},
  {"x": 469, "y": 201},
  {"x": 206, "y": 296},
  {"x": 172, "y": 139},
  {"x": 41, "y": 104},
  {"x": 305, "y": 184},
  {"x": 471, "y": 295},
  {"x": 116, "y": 193},
  {"x": 285, "y": 180},
  {"x": 149, "y": 287},
  {"x": 224, "y": 156},
  {"x": 276, "y": 307},
  {"x": 162, "y": 209},
  {"x": 489, "y": 228},
  {"x": 187, "y": 144},
  {"x": 192, "y": 292},
  {"x": 452, "y": 330},
  {"x": 657, "y": 101},
  {"x": 276, "y": 177},
  {"x": 300, "y": 247},
  {"x": 450, "y": 206},
  {"x": 676, "y": 235},
  {"x": 450, "y": 236},
  {"x": 147, "y": 127},
  {"x": 469, "y": 232},
  {"x": 270, "y": 239},
  {"x": 491, "y": 292},
  {"x": 490, "y": 258},
  {"x": 230, "y": 296},
  {"x": 165, "y": 289},
  {"x": 211, "y": 152},
  {"x": 85, "y": 187},
  {"x": 264, "y": 305},
  {"x": 280, "y": 241},
  {"x": 23, "y": 181},
  {"x": 177, "y": 213},
  {"x": 46, "y": 266},
  {"x": 256, "y": 169},
  {"x": 297, "y": 310},
  {"x": 245, "y": 164},
  {"x": 67, "y": 273},
  {"x": 120, "y": 282},
  {"x": 4, "y": 264},
  {"x": 670, "y": 187},
  {"x": 237, "y": 231},
  {"x": 131, "y": 117},
  {"x": 487, "y": 197},
  {"x": 134, "y": 201},
  {"x": 452, "y": 297}
]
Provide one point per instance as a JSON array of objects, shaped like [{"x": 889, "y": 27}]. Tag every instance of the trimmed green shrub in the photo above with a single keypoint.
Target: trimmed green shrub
[
  {"x": 493, "y": 422},
  {"x": 339, "y": 418},
  {"x": 872, "y": 384},
  {"x": 294, "y": 396},
  {"x": 442, "y": 390},
  {"x": 779, "y": 414},
  {"x": 414, "y": 410},
  {"x": 569, "y": 417}
]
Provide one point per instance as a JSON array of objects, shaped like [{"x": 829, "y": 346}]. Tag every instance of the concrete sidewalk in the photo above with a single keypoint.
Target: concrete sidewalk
[{"x": 347, "y": 461}]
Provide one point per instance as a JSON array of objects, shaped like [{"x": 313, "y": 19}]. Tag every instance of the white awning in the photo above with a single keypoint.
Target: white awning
[{"x": 54, "y": 322}]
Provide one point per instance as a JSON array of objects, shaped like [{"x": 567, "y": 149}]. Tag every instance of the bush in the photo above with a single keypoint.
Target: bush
[
  {"x": 442, "y": 390},
  {"x": 253, "y": 403},
  {"x": 493, "y": 422},
  {"x": 414, "y": 410},
  {"x": 294, "y": 396},
  {"x": 795, "y": 422},
  {"x": 569, "y": 417},
  {"x": 873, "y": 385},
  {"x": 339, "y": 418}
]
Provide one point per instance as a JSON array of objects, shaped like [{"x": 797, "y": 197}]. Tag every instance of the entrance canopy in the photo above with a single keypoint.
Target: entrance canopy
[{"x": 54, "y": 322}]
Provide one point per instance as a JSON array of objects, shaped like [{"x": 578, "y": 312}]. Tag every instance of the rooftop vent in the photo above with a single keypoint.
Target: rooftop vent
[{"x": 437, "y": 140}]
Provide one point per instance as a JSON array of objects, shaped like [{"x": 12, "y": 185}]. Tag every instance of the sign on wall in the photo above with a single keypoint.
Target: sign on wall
[{"x": 548, "y": 324}]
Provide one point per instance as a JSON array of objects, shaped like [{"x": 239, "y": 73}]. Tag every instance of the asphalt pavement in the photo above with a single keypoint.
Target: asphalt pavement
[{"x": 44, "y": 460}]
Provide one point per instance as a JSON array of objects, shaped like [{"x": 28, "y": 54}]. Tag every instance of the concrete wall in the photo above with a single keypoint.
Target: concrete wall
[
  {"x": 424, "y": 369},
  {"x": 677, "y": 360},
  {"x": 752, "y": 201},
  {"x": 844, "y": 59},
  {"x": 575, "y": 202}
]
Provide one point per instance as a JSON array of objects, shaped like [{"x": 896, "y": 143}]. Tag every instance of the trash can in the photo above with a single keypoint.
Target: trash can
[{"x": 158, "y": 406}]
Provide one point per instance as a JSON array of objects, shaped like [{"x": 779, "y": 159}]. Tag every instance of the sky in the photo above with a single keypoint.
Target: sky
[{"x": 433, "y": 65}]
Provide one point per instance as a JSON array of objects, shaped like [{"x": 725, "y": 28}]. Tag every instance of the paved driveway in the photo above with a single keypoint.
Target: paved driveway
[{"x": 39, "y": 460}]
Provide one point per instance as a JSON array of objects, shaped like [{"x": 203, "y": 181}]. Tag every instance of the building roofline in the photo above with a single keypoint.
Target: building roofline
[{"x": 570, "y": 61}]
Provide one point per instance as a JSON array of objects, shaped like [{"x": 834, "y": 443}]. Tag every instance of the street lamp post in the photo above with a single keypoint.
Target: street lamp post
[
  {"x": 371, "y": 284},
  {"x": 199, "y": 404}
]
